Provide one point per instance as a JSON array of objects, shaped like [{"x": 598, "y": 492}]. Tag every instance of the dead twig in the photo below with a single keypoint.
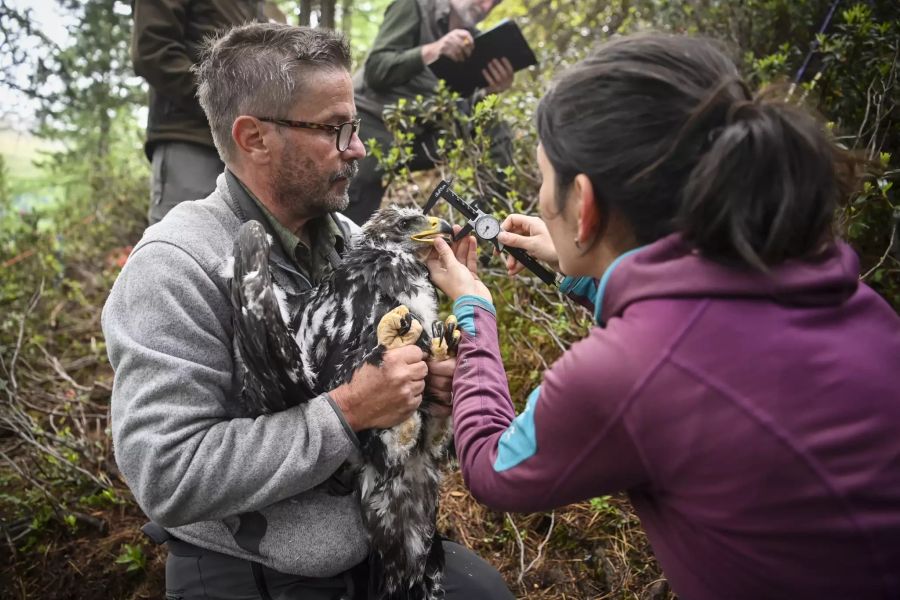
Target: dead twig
[
  {"x": 58, "y": 369},
  {"x": 32, "y": 304},
  {"x": 884, "y": 256}
]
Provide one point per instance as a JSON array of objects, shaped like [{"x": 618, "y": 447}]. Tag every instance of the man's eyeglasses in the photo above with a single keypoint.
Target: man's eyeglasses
[{"x": 344, "y": 131}]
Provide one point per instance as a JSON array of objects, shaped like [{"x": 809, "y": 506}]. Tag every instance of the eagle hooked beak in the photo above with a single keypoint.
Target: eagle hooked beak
[{"x": 437, "y": 228}]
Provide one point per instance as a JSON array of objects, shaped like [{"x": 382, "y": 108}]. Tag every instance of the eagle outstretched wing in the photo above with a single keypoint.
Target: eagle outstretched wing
[{"x": 268, "y": 356}]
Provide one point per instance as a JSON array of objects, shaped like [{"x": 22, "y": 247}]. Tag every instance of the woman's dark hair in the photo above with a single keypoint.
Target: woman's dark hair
[{"x": 673, "y": 140}]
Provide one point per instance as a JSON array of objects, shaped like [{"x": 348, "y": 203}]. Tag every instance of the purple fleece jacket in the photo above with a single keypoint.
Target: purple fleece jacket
[{"x": 754, "y": 421}]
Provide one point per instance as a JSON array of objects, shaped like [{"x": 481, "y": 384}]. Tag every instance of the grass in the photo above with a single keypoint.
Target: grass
[{"x": 28, "y": 183}]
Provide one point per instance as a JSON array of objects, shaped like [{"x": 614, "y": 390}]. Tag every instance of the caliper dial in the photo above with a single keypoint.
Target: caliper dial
[{"x": 486, "y": 227}]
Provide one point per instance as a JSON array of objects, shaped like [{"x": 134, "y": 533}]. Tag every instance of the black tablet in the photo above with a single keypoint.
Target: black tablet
[{"x": 503, "y": 40}]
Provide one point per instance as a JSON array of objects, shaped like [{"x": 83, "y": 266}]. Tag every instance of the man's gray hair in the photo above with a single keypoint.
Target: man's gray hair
[{"x": 259, "y": 69}]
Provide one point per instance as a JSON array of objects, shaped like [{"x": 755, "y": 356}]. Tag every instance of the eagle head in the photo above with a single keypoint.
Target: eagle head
[{"x": 406, "y": 229}]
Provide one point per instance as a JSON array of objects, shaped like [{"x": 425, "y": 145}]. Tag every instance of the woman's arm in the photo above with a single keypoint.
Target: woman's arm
[{"x": 569, "y": 444}]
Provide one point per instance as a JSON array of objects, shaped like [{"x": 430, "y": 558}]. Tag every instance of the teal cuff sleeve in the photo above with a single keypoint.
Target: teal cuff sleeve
[
  {"x": 464, "y": 309},
  {"x": 580, "y": 287},
  {"x": 519, "y": 442}
]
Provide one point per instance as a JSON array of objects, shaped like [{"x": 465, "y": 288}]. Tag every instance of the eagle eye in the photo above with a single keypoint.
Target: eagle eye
[{"x": 406, "y": 222}]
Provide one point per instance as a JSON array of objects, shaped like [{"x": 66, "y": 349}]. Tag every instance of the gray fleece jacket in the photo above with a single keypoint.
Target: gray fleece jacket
[{"x": 211, "y": 476}]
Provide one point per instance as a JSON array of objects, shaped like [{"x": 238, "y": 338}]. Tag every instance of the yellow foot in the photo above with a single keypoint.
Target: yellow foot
[
  {"x": 439, "y": 431},
  {"x": 398, "y": 328},
  {"x": 445, "y": 338},
  {"x": 408, "y": 431},
  {"x": 400, "y": 439}
]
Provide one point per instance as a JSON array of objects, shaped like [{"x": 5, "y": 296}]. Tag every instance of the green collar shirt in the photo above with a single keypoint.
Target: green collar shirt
[{"x": 324, "y": 251}]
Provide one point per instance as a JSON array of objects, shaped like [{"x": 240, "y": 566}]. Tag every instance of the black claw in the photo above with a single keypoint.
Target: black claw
[
  {"x": 437, "y": 329},
  {"x": 405, "y": 324},
  {"x": 452, "y": 341}
]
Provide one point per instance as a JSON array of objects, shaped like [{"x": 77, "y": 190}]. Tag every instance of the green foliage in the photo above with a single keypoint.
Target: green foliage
[
  {"x": 91, "y": 79},
  {"x": 106, "y": 498},
  {"x": 358, "y": 20},
  {"x": 133, "y": 556},
  {"x": 57, "y": 260},
  {"x": 851, "y": 80},
  {"x": 601, "y": 504}
]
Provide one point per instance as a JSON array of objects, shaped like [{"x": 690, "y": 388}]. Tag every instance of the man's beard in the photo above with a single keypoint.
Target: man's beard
[
  {"x": 468, "y": 12},
  {"x": 307, "y": 192}
]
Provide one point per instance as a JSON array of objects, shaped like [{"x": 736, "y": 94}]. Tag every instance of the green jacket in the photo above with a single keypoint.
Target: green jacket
[
  {"x": 165, "y": 44},
  {"x": 394, "y": 67}
]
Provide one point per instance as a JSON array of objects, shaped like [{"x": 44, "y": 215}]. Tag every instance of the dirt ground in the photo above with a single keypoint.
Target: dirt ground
[{"x": 594, "y": 550}]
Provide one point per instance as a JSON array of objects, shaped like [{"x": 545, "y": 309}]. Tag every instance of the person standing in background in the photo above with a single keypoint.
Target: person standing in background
[
  {"x": 413, "y": 35},
  {"x": 165, "y": 45}
]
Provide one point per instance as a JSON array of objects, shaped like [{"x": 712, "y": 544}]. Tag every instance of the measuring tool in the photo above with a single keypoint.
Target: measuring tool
[{"x": 486, "y": 227}]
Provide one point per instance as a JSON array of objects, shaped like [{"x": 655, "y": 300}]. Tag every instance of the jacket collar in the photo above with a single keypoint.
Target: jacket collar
[{"x": 670, "y": 268}]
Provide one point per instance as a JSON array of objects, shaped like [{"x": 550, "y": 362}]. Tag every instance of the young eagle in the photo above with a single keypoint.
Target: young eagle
[{"x": 382, "y": 280}]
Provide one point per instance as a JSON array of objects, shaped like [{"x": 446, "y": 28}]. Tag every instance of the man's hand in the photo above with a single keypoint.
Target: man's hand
[
  {"x": 457, "y": 45},
  {"x": 499, "y": 74},
  {"x": 440, "y": 383},
  {"x": 381, "y": 397}
]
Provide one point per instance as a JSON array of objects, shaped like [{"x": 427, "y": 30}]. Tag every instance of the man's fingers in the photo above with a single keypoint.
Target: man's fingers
[
  {"x": 409, "y": 354},
  {"x": 490, "y": 72},
  {"x": 442, "y": 368},
  {"x": 468, "y": 43},
  {"x": 419, "y": 371},
  {"x": 488, "y": 77},
  {"x": 498, "y": 69}
]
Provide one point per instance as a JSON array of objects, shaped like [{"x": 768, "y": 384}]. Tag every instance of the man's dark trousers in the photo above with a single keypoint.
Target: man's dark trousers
[{"x": 193, "y": 573}]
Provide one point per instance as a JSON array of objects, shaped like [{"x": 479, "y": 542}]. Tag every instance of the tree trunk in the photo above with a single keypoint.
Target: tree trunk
[
  {"x": 346, "y": 16},
  {"x": 305, "y": 12},
  {"x": 326, "y": 17}
]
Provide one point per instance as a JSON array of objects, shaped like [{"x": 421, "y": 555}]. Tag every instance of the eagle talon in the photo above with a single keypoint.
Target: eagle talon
[
  {"x": 445, "y": 338},
  {"x": 452, "y": 334},
  {"x": 405, "y": 325},
  {"x": 398, "y": 328}
]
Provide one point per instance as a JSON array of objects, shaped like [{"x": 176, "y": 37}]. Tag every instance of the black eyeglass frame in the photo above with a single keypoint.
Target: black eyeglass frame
[{"x": 354, "y": 124}]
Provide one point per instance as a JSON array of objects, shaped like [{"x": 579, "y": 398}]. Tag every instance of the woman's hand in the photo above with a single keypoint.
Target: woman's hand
[
  {"x": 454, "y": 270},
  {"x": 531, "y": 235}
]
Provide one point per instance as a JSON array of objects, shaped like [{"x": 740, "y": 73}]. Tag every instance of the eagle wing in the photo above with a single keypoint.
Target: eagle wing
[{"x": 269, "y": 360}]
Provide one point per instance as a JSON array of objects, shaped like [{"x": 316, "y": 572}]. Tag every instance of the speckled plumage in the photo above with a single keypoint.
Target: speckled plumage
[{"x": 398, "y": 477}]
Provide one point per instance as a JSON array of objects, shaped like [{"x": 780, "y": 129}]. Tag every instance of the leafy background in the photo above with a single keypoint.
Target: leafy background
[{"x": 73, "y": 190}]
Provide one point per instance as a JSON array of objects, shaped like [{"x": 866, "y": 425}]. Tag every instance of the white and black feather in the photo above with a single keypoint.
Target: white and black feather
[{"x": 335, "y": 335}]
